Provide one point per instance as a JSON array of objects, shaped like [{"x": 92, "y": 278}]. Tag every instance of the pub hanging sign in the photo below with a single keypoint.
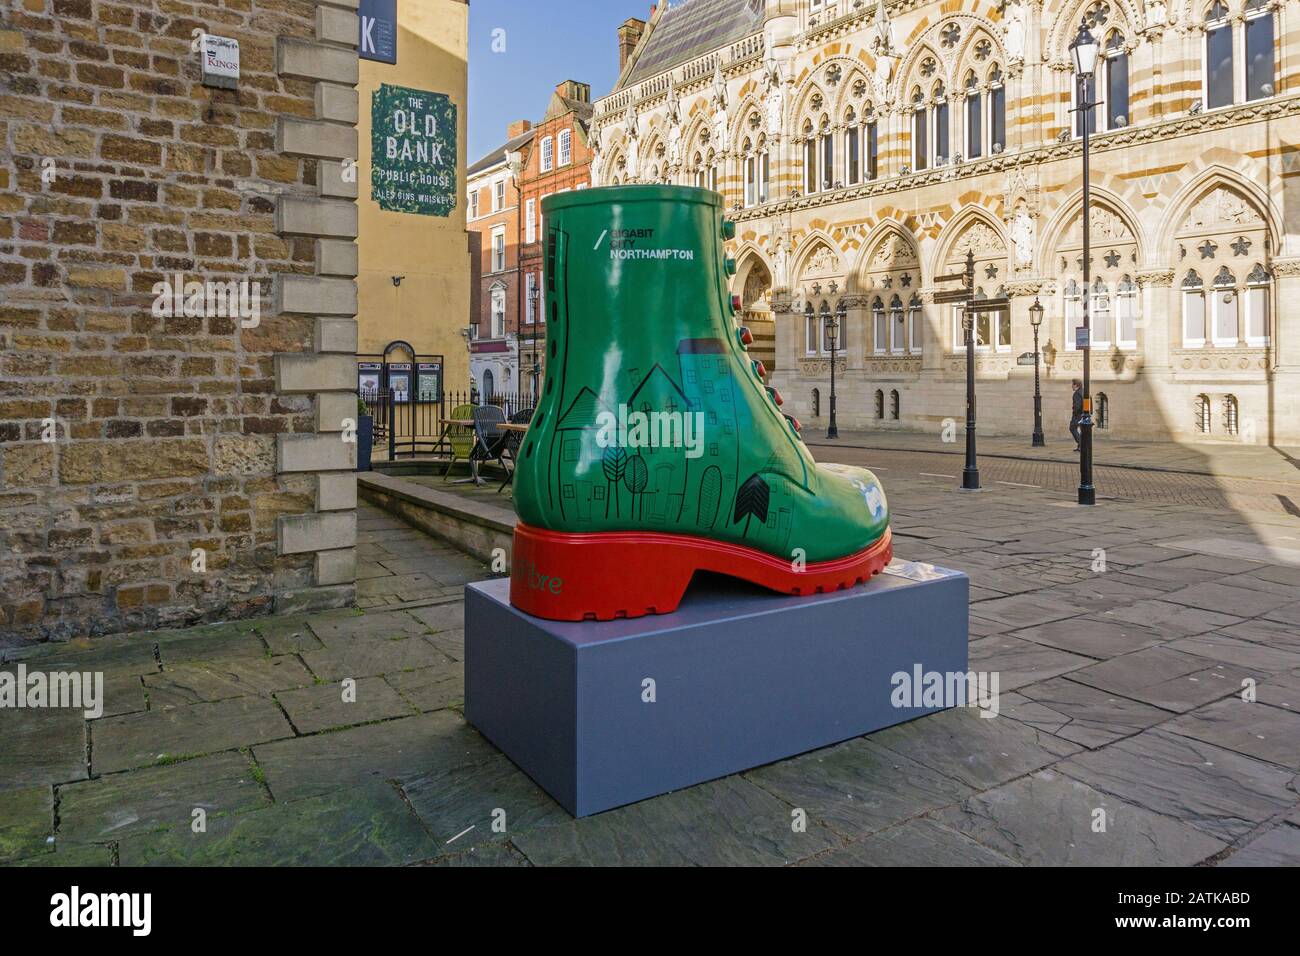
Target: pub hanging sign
[{"x": 412, "y": 151}]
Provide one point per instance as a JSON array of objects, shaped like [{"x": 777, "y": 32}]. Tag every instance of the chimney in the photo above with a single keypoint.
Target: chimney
[
  {"x": 573, "y": 90},
  {"x": 629, "y": 34},
  {"x": 517, "y": 128}
]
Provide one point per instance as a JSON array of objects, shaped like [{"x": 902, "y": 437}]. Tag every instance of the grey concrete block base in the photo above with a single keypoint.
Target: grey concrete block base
[{"x": 605, "y": 714}]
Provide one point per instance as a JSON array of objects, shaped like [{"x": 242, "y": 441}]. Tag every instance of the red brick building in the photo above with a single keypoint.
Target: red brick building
[
  {"x": 556, "y": 159},
  {"x": 496, "y": 296}
]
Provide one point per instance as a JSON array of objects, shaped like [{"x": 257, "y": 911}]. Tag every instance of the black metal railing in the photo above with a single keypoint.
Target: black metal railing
[{"x": 405, "y": 429}]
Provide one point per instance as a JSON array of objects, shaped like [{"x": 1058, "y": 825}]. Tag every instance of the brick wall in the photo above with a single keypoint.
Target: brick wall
[{"x": 160, "y": 499}]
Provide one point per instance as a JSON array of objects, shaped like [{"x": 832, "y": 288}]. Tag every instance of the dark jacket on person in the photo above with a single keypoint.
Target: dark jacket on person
[{"x": 1076, "y": 410}]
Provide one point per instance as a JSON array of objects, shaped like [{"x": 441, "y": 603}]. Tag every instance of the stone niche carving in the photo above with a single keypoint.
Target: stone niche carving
[
  {"x": 822, "y": 262},
  {"x": 894, "y": 252},
  {"x": 1222, "y": 207}
]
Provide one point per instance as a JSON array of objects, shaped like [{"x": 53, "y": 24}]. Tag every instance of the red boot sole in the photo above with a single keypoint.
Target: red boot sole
[{"x": 620, "y": 574}]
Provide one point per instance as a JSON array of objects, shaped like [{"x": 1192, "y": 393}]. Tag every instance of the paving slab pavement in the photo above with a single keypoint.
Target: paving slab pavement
[{"x": 1159, "y": 685}]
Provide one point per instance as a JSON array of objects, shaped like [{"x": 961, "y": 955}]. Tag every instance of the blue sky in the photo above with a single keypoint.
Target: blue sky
[{"x": 546, "y": 41}]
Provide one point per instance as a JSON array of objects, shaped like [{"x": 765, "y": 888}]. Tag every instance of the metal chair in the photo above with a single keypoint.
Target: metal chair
[
  {"x": 513, "y": 441},
  {"x": 460, "y": 438},
  {"x": 491, "y": 441}
]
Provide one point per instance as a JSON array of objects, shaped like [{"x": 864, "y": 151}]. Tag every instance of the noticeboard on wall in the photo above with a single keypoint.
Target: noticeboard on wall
[
  {"x": 413, "y": 151},
  {"x": 370, "y": 378},
  {"x": 399, "y": 381},
  {"x": 428, "y": 381}
]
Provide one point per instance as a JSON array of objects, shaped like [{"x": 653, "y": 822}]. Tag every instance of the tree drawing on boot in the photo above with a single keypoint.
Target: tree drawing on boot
[
  {"x": 651, "y": 398},
  {"x": 751, "y": 501},
  {"x": 614, "y": 464}
]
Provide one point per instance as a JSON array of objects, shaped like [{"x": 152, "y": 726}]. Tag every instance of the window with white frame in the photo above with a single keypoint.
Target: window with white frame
[
  {"x": 1113, "y": 64},
  {"x": 547, "y": 160},
  {"x": 810, "y": 178},
  {"x": 974, "y": 118},
  {"x": 826, "y": 151},
  {"x": 812, "y": 331},
  {"x": 473, "y": 204},
  {"x": 997, "y": 111},
  {"x": 826, "y": 321},
  {"x": 499, "y": 249},
  {"x": 915, "y": 324},
  {"x": 1258, "y": 285},
  {"x": 852, "y": 149},
  {"x": 498, "y": 296},
  {"x": 1126, "y": 311},
  {"x": 897, "y": 325},
  {"x": 1226, "y": 311},
  {"x": 566, "y": 147},
  {"x": 756, "y": 171},
  {"x": 1260, "y": 69},
  {"x": 1193, "y": 291},
  {"x": 1240, "y": 62},
  {"x": 498, "y": 195},
  {"x": 879, "y": 325},
  {"x": 530, "y": 220},
  {"x": 530, "y": 298},
  {"x": 920, "y": 130}
]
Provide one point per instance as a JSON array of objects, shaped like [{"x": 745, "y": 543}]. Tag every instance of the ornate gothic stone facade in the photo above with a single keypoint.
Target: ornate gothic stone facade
[{"x": 865, "y": 148}]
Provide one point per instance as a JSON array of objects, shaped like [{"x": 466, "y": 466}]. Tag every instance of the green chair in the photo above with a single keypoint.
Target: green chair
[{"x": 459, "y": 437}]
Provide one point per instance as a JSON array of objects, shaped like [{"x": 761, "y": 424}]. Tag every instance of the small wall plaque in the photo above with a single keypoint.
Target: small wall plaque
[{"x": 219, "y": 57}]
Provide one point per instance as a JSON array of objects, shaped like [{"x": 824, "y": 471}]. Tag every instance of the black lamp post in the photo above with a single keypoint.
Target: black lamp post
[
  {"x": 833, "y": 330},
  {"x": 535, "y": 295},
  {"x": 1036, "y": 320},
  {"x": 1084, "y": 51}
]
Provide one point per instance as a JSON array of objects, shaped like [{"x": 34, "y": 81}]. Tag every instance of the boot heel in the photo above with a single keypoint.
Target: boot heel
[{"x": 600, "y": 577}]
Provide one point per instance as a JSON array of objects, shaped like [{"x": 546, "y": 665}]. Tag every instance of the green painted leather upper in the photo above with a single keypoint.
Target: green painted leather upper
[{"x": 652, "y": 416}]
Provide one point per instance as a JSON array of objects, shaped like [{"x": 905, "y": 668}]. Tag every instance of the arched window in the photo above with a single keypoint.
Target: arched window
[
  {"x": 826, "y": 326},
  {"x": 1126, "y": 313},
  {"x": 893, "y": 404},
  {"x": 826, "y": 148},
  {"x": 1219, "y": 60},
  {"x": 1259, "y": 50},
  {"x": 1203, "y": 414},
  {"x": 920, "y": 122},
  {"x": 1103, "y": 410},
  {"x": 880, "y": 404},
  {"x": 1193, "y": 310},
  {"x": 497, "y": 296},
  {"x": 817, "y": 402},
  {"x": 1258, "y": 286},
  {"x": 1231, "y": 415},
  {"x": 852, "y": 148},
  {"x": 914, "y": 324},
  {"x": 974, "y": 118},
  {"x": 880, "y": 337},
  {"x": 997, "y": 111},
  {"x": 1227, "y": 314},
  {"x": 809, "y": 159},
  {"x": 810, "y": 328},
  {"x": 897, "y": 325},
  {"x": 1114, "y": 65},
  {"x": 942, "y": 153},
  {"x": 1101, "y": 318},
  {"x": 489, "y": 386},
  {"x": 872, "y": 145}
]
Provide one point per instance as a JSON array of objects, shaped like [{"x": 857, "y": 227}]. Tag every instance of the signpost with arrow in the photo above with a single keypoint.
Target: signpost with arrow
[{"x": 970, "y": 306}]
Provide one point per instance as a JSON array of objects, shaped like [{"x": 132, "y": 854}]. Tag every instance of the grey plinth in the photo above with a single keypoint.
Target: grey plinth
[{"x": 604, "y": 714}]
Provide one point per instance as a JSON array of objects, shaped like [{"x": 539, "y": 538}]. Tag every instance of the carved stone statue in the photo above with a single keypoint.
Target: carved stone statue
[
  {"x": 633, "y": 156},
  {"x": 1013, "y": 34},
  {"x": 675, "y": 144},
  {"x": 1157, "y": 13},
  {"x": 780, "y": 277},
  {"x": 1022, "y": 236},
  {"x": 718, "y": 132},
  {"x": 773, "y": 108},
  {"x": 597, "y": 160}
]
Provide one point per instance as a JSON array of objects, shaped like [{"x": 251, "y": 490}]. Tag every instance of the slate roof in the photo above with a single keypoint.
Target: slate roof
[
  {"x": 692, "y": 29},
  {"x": 498, "y": 155}
]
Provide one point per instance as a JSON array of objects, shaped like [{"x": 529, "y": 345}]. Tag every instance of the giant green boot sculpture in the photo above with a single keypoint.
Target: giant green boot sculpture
[{"x": 656, "y": 450}]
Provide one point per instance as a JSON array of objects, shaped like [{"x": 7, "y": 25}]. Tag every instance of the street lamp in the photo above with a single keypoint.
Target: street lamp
[
  {"x": 833, "y": 330},
  {"x": 1036, "y": 320},
  {"x": 535, "y": 295},
  {"x": 1084, "y": 53}
]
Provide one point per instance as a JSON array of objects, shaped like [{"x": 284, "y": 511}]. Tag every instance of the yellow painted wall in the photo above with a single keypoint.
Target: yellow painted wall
[{"x": 430, "y": 307}]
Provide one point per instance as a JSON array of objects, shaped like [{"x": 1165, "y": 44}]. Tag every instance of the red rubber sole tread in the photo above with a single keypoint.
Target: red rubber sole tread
[{"x": 607, "y": 576}]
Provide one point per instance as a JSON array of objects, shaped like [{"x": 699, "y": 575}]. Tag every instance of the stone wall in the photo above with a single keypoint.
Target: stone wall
[{"x": 160, "y": 469}]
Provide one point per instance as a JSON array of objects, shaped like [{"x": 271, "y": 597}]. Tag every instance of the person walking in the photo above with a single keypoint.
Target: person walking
[{"x": 1076, "y": 410}]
